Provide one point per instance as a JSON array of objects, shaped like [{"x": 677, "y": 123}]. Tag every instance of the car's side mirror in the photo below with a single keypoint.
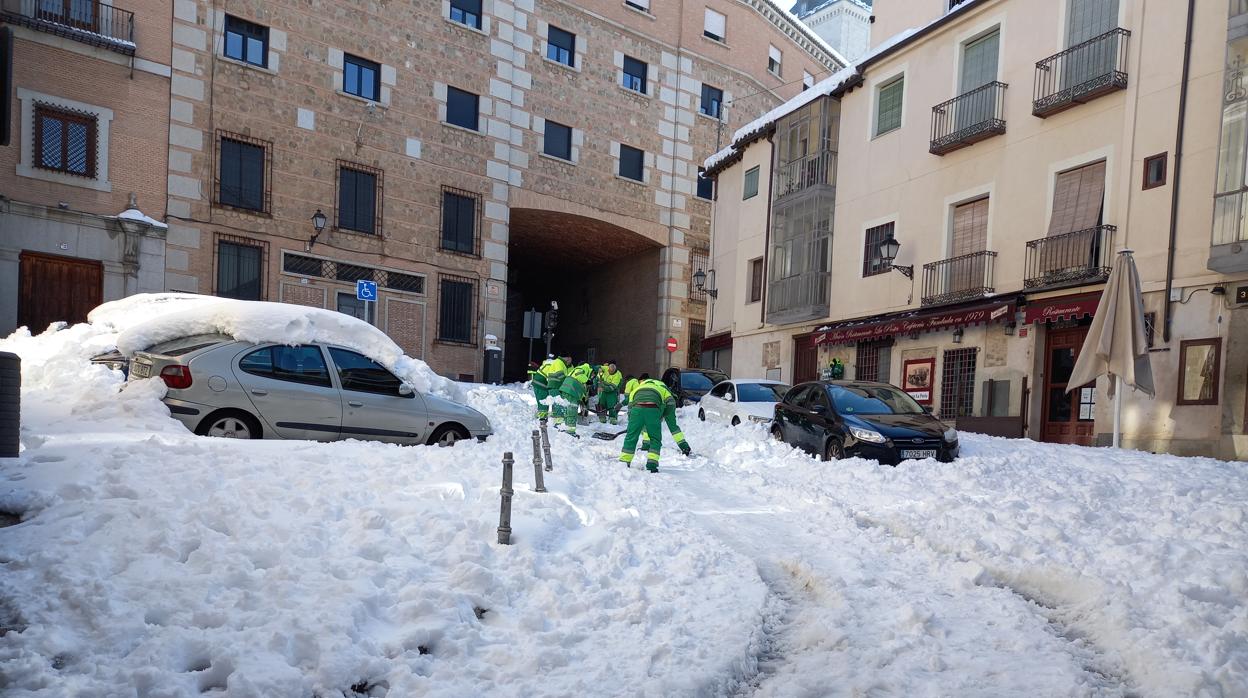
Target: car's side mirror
[
  {"x": 405, "y": 390},
  {"x": 730, "y": 398}
]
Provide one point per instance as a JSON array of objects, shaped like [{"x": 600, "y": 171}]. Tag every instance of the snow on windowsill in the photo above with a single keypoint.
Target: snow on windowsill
[{"x": 134, "y": 214}]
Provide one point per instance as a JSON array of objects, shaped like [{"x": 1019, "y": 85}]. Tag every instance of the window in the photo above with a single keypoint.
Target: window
[
  {"x": 302, "y": 364},
  {"x": 750, "y": 187},
  {"x": 240, "y": 269},
  {"x": 65, "y": 141},
  {"x": 455, "y": 309},
  {"x": 808, "y": 80},
  {"x": 706, "y": 187},
  {"x": 756, "y": 280},
  {"x": 361, "y": 374},
  {"x": 713, "y": 25},
  {"x": 700, "y": 260},
  {"x": 560, "y": 46},
  {"x": 1078, "y": 196},
  {"x": 774, "y": 58},
  {"x": 459, "y": 221},
  {"x": 888, "y": 106},
  {"x": 1200, "y": 365},
  {"x": 712, "y": 100},
  {"x": 246, "y": 41},
  {"x": 1155, "y": 171},
  {"x": 872, "y": 263},
  {"x": 358, "y": 197},
  {"x": 462, "y": 109},
  {"x": 872, "y": 361},
  {"x": 361, "y": 77},
  {"x": 634, "y": 76},
  {"x": 632, "y": 163},
  {"x": 1150, "y": 329},
  {"x": 348, "y": 304},
  {"x": 466, "y": 12},
  {"x": 643, "y": 5},
  {"x": 957, "y": 390},
  {"x": 557, "y": 141},
  {"x": 241, "y": 176}
]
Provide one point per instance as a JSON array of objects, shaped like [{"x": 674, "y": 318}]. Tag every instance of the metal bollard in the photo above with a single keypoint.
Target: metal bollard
[
  {"x": 10, "y": 404},
  {"x": 504, "y": 514},
  {"x": 539, "y": 482},
  {"x": 546, "y": 449}
]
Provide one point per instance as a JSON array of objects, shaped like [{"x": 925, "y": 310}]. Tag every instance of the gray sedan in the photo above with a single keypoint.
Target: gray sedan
[{"x": 218, "y": 386}]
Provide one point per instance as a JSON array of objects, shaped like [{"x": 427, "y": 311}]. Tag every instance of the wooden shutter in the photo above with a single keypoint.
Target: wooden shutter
[
  {"x": 1078, "y": 196},
  {"x": 979, "y": 62},
  {"x": 970, "y": 228},
  {"x": 1087, "y": 19}
]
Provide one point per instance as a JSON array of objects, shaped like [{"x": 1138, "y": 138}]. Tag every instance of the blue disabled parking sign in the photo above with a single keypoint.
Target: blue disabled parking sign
[{"x": 366, "y": 290}]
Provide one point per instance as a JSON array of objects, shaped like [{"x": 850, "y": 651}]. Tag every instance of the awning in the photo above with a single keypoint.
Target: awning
[
  {"x": 718, "y": 341},
  {"x": 1063, "y": 308},
  {"x": 852, "y": 332}
]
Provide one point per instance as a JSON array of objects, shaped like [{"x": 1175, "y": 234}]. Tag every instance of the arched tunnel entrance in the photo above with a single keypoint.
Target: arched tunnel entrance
[{"x": 604, "y": 277}]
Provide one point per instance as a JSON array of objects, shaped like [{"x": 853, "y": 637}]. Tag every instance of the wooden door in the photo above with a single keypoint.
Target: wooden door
[
  {"x": 805, "y": 359},
  {"x": 52, "y": 288},
  {"x": 1067, "y": 417}
]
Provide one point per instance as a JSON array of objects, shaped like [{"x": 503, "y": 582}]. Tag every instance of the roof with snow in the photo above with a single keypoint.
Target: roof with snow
[
  {"x": 806, "y": 8},
  {"x": 802, "y": 35}
]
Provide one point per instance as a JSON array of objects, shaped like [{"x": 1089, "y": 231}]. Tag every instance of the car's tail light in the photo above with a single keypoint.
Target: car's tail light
[{"x": 176, "y": 377}]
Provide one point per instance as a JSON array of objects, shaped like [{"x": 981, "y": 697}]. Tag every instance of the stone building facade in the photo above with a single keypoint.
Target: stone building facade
[
  {"x": 473, "y": 158},
  {"x": 83, "y": 132},
  {"x": 844, "y": 24}
]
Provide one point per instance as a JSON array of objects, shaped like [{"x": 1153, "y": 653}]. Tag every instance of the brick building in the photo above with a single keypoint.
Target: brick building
[
  {"x": 475, "y": 158},
  {"x": 83, "y": 128}
]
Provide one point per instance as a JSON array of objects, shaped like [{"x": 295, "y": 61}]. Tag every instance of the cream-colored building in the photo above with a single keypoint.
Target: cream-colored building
[{"x": 1009, "y": 148}]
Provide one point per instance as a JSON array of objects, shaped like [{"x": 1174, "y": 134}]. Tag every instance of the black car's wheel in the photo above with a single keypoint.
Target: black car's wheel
[
  {"x": 701, "y": 414},
  {"x": 230, "y": 424},
  {"x": 448, "y": 435},
  {"x": 777, "y": 433},
  {"x": 736, "y": 421},
  {"x": 835, "y": 450}
]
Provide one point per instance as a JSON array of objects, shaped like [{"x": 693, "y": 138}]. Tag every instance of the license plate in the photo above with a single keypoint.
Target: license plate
[
  {"x": 141, "y": 370},
  {"x": 919, "y": 453}
]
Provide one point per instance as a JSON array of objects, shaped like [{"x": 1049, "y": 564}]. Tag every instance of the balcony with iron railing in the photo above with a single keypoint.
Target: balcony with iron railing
[
  {"x": 88, "y": 21},
  {"x": 968, "y": 119},
  {"x": 1081, "y": 73},
  {"x": 804, "y": 173},
  {"x": 1070, "y": 259},
  {"x": 958, "y": 279}
]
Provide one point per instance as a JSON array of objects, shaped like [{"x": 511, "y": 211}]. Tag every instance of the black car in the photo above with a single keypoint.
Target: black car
[
  {"x": 839, "y": 419},
  {"x": 688, "y": 385}
]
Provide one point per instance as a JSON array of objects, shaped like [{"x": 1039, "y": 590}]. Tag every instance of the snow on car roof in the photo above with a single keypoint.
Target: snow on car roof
[{"x": 261, "y": 321}]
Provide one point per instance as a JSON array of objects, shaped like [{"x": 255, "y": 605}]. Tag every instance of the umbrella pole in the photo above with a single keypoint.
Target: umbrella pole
[{"x": 1117, "y": 411}]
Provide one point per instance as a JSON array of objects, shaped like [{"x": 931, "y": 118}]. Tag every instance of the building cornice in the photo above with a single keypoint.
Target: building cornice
[{"x": 798, "y": 33}]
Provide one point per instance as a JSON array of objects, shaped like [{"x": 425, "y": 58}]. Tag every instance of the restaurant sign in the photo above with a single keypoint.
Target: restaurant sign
[
  {"x": 849, "y": 334},
  {"x": 1064, "y": 308}
]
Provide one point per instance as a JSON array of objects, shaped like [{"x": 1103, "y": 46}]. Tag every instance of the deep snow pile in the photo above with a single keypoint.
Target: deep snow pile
[{"x": 152, "y": 562}]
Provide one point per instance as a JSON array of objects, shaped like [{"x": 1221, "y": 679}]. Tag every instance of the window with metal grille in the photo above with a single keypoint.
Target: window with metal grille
[
  {"x": 706, "y": 187},
  {"x": 459, "y": 221},
  {"x": 560, "y": 45},
  {"x": 888, "y": 100},
  {"x": 632, "y": 163},
  {"x": 306, "y": 266},
  {"x": 957, "y": 387},
  {"x": 466, "y": 12},
  {"x": 712, "y": 100},
  {"x": 697, "y": 331},
  {"x": 359, "y": 198},
  {"x": 65, "y": 141},
  {"x": 456, "y": 309},
  {"x": 634, "y": 76},
  {"x": 405, "y": 282},
  {"x": 353, "y": 272},
  {"x": 557, "y": 141},
  {"x": 699, "y": 258},
  {"x": 872, "y": 361},
  {"x": 872, "y": 263},
  {"x": 246, "y": 41},
  {"x": 361, "y": 77},
  {"x": 241, "y": 173},
  {"x": 756, "y": 280},
  {"x": 462, "y": 109},
  {"x": 240, "y": 268}
]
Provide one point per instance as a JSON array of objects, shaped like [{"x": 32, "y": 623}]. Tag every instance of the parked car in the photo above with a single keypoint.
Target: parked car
[
  {"x": 838, "y": 419},
  {"x": 688, "y": 385},
  {"x": 117, "y": 361},
  {"x": 741, "y": 400},
  {"x": 218, "y": 386}
]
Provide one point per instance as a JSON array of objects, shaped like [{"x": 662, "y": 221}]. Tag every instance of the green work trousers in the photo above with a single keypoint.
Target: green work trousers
[
  {"x": 669, "y": 418},
  {"x": 609, "y": 400},
  {"x": 651, "y": 420},
  {"x": 573, "y": 391}
]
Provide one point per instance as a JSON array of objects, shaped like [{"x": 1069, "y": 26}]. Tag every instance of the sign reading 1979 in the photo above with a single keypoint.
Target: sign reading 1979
[{"x": 365, "y": 290}]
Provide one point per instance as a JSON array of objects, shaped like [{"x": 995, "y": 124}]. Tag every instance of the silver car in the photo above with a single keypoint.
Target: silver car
[{"x": 218, "y": 386}]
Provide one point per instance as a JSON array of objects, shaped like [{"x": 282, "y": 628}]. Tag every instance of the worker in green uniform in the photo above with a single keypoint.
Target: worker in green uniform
[
  {"x": 573, "y": 391},
  {"x": 648, "y": 404},
  {"x": 609, "y": 378},
  {"x": 546, "y": 382},
  {"x": 630, "y": 384}
]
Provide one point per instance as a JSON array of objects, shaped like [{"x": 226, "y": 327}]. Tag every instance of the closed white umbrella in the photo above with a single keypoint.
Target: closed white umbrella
[{"x": 1116, "y": 345}]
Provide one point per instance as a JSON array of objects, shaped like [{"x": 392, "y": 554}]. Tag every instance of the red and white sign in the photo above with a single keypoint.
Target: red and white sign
[
  {"x": 671, "y": 344},
  {"x": 918, "y": 323},
  {"x": 1064, "y": 308}
]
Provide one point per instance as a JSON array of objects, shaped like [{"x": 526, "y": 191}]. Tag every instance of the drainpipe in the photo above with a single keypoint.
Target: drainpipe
[
  {"x": 771, "y": 158},
  {"x": 1178, "y": 163}
]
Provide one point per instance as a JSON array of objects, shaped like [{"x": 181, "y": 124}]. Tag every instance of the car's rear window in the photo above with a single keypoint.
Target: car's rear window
[
  {"x": 185, "y": 345},
  {"x": 691, "y": 380},
  {"x": 761, "y": 392}
]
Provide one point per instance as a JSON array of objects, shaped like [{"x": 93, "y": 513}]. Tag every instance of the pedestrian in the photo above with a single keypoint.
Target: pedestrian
[
  {"x": 648, "y": 405},
  {"x": 573, "y": 391},
  {"x": 546, "y": 382},
  {"x": 609, "y": 378}
]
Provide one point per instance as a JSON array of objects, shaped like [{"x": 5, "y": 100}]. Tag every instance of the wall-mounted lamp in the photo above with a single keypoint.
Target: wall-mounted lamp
[
  {"x": 888, "y": 252},
  {"x": 957, "y": 336},
  {"x": 701, "y": 283},
  {"x": 318, "y": 225}
]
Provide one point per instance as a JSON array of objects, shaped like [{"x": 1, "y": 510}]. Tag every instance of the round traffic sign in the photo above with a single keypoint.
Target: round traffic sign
[{"x": 671, "y": 344}]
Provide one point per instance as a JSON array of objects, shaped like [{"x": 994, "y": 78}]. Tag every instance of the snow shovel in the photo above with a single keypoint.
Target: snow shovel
[{"x": 608, "y": 436}]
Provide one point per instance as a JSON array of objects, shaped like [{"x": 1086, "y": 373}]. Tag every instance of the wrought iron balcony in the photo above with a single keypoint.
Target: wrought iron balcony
[
  {"x": 817, "y": 168},
  {"x": 958, "y": 279},
  {"x": 1081, "y": 257},
  {"x": 1081, "y": 73},
  {"x": 89, "y": 21},
  {"x": 968, "y": 118}
]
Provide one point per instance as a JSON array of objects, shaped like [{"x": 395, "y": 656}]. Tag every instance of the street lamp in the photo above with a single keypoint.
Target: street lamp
[
  {"x": 700, "y": 282},
  {"x": 888, "y": 252},
  {"x": 318, "y": 224}
]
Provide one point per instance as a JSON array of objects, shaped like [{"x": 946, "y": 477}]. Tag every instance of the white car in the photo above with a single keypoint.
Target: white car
[{"x": 747, "y": 399}]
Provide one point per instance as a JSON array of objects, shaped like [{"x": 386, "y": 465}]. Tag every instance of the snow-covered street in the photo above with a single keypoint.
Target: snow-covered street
[{"x": 152, "y": 562}]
